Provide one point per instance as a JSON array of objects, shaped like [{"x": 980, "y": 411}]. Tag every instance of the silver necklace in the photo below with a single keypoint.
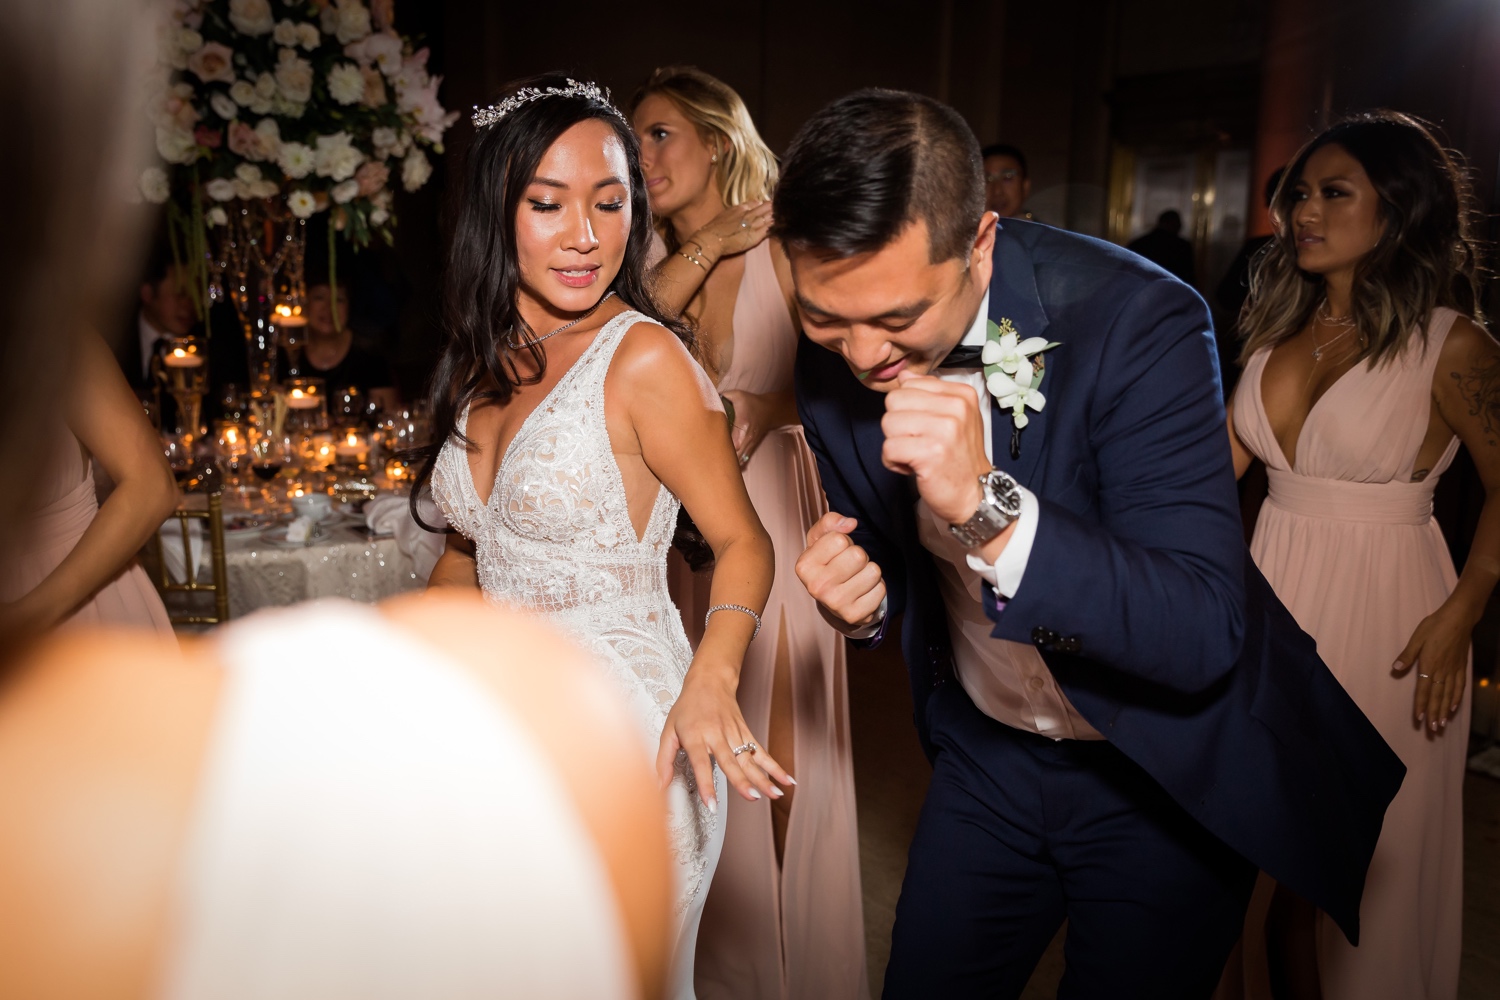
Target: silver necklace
[
  {"x": 510, "y": 340},
  {"x": 1323, "y": 317}
]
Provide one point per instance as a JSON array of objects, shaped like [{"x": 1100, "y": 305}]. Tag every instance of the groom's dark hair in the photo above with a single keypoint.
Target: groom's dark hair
[{"x": 868, "y": 165}]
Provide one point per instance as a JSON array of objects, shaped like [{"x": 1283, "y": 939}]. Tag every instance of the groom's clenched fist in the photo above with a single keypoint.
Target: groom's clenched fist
[
  {"x": 839, "y": 574},
  {"x": 934, "y": 431}
]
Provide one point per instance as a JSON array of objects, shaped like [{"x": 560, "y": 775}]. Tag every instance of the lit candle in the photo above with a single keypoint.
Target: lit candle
[
  {"x": 352, "y": 446},
  {"x": 179, "y": 358},
  {"x": 287, "y": 318},
  {"x": 299, "y": 399}
]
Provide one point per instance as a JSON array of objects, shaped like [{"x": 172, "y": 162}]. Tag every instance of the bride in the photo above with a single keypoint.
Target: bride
[{"x": 571, "y": 420}]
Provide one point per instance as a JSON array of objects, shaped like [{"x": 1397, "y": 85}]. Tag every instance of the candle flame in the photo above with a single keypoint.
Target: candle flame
[
  {"x": 283, "y": 310},
  {"x": 352, "y": 439},
  {"x": 178, "y": 352},
  {"x": 297, "y": 394}
]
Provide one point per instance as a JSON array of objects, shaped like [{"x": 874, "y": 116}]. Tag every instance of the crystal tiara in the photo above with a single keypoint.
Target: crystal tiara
[{"x": 591, "y": 91}]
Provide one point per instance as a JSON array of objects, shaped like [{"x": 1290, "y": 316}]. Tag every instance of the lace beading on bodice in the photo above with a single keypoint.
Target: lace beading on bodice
[{"x": 555, "y": 536}]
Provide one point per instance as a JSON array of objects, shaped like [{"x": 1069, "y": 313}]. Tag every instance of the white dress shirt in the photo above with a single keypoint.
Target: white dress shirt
[{"x": 1008, "y": 681}]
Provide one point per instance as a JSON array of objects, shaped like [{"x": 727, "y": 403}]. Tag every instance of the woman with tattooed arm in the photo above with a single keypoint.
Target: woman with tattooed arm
[{"x": 1365, "y": 366}]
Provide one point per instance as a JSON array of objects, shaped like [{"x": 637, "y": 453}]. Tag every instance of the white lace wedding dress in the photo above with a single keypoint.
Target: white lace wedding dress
[{"x": 555, "y": 538}]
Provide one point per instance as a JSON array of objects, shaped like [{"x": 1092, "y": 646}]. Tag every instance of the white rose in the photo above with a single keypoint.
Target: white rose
[
  {"x": 269, "y": 134},
  {"x": 344, "y": 193},
  {"x": 415, "y": 170},
  {"x": 346, "y": 84},
  {"x": 220, "y": 189},
  {"x": 286, "y": 108},
  {"x": 216, "y": 216},
  {"x": 294, "y": 77},
  {"x": 189, "y": 41},
  {"x": 285, "y": 33},
  {"x": 251, "y": 17},
  {"x": 296, "y": 160},
  {"x": 337, "y": 157},
  {"x": 176, "y": 145},
  {"x": 223, "y": 105},
  {"x": 301, "y": 203},
  {"x": 247, "y": 172},
  {"x": 243, "y": 92},
  {"x": 352, "y": 22},
  {"x": 264, "y": 189},
  {"x": 308, "y": 36},
  {"x": 383, "y": 138},
  {"x": 379, "y": 216},
  {"x": 154, "y": 186}
]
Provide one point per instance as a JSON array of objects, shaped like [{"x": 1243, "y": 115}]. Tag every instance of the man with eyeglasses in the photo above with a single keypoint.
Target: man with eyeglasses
[{"x": 1006, "y": 184}]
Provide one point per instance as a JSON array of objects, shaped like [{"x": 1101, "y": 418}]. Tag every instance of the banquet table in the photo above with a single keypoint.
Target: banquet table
[
  {"x": 344, "y": 559},
  {"x": 349, "y": 563}
]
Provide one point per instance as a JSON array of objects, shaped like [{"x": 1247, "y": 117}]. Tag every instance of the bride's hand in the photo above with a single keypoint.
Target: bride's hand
[{"x": 707, "y": 723}]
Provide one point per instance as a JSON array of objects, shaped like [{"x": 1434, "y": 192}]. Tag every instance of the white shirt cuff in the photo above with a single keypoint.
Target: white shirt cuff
[
  {"x": 1008, "y": 570},
  {"x": 870, "y": 630}
]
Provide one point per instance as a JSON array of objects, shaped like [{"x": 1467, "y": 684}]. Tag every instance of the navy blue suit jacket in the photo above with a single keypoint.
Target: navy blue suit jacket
[{"x": 1138, "y": 593}]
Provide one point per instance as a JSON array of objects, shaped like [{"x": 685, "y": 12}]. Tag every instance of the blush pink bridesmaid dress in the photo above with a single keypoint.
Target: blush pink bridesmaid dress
[
  {"x": 796, "y": 933},
  {"x": 1350, "y": 545},
  {"x": 67, "y": 507}
]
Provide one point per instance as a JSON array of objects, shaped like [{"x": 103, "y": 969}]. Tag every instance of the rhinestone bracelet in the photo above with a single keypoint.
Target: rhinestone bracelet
[{"x": 734, "y": 607}]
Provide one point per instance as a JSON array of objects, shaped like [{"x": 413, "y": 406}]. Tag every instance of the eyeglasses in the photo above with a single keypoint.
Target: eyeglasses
[{"x": 1008, "y": 174}]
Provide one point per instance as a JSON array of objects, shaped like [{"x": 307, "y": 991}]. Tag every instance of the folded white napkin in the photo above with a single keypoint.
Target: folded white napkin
[
  {"x": 171, "y": 549},
  {"x": 297, "y": 531},
  {"x": 389, "y": 514}
]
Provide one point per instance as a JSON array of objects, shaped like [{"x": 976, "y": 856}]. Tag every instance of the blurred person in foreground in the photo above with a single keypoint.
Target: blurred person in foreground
[
  {"x": 232, "y": 818},
  {"x": 1124, "y": 723},
  {"x": 1007, "y": 181},
  {"x": 1365, "y": 368},
  {"x": 783, "y": 918}
]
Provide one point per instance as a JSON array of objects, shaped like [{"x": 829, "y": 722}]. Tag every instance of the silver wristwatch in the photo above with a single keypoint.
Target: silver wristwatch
[{"x": 999, "y": 506}]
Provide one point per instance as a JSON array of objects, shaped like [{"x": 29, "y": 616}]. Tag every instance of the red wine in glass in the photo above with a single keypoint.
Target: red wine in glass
[{"x": 266, "y": 471}]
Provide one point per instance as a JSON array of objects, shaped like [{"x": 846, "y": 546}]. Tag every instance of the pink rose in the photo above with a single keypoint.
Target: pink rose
[
  {"x": 372, "y": 177},
  {"x": 213, "y": 62},
  {"x": 243, "y": 141},
  {"x": 211, "y": 137}
]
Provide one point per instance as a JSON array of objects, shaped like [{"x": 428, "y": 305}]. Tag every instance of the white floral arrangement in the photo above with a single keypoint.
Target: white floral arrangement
[{"x": 320, "y": 105}]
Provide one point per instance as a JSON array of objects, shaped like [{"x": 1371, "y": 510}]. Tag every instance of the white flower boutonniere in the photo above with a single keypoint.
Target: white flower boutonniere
[{"x": 1013, "y": 370}]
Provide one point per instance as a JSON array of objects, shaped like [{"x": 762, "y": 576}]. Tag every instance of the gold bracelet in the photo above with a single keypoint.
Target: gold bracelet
[{"x": 688, "y": 257}]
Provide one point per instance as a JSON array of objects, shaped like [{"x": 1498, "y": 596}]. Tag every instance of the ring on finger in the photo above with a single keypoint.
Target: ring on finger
[
  {"x": 1425, "y": 677},
  {"x": 746, "y": 747}
]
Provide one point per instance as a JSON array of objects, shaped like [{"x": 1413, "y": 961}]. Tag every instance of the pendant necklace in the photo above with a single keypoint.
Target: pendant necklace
[
  {"x": 1327, "y": 320},
  {"x": 510, "y": 342}
]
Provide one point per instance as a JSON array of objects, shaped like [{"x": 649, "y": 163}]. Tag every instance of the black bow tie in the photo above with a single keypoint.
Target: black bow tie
[{"x": 963, "y": 356}]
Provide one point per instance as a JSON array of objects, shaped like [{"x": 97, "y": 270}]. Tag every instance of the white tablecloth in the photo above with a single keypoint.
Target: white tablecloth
[{"x": 346, "y": 564}]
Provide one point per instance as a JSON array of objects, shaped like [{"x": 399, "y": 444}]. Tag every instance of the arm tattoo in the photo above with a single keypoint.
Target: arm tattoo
[{"x": 1480, "y": 389}]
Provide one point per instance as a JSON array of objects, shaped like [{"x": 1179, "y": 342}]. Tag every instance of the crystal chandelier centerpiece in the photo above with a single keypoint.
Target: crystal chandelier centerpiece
[{"x": 258, "y": 263}]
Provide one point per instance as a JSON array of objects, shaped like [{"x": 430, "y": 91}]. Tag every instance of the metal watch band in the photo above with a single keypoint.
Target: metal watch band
[{"x": 999, "y": 506}]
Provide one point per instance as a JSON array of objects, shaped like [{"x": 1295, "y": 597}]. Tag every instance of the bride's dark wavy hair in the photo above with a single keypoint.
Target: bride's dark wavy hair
[{"x": 482, "y": 274}]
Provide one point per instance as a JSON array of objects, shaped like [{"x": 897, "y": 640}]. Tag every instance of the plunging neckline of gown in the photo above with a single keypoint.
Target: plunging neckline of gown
[
  {"x": 463, "y": 424},
  {"x": 639, "y": 535},
  {"x": 1265, "y": 414}
]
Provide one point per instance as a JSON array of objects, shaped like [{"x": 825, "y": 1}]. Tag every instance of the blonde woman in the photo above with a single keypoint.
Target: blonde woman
[{"x": 784, "y": 915}]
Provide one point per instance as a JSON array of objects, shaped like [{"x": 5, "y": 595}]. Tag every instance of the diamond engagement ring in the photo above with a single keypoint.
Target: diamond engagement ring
[{"x": 745, "y": 746}]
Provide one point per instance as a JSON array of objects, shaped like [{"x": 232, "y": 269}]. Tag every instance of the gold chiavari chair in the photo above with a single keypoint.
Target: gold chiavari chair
[{"x": 219, "y": 587}]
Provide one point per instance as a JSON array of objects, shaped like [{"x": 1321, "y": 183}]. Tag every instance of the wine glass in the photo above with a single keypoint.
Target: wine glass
[
  {"x": 269, "y": 454},
  {"x": 232, "y": 448},
  {"x": 179, "y": 456}
]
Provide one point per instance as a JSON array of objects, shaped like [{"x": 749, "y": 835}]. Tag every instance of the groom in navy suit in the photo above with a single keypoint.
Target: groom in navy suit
[{"x": 1023, "y": 445}]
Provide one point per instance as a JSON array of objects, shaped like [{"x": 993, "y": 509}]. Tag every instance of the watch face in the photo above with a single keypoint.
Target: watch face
[{"x": 1002, "y": 491}]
